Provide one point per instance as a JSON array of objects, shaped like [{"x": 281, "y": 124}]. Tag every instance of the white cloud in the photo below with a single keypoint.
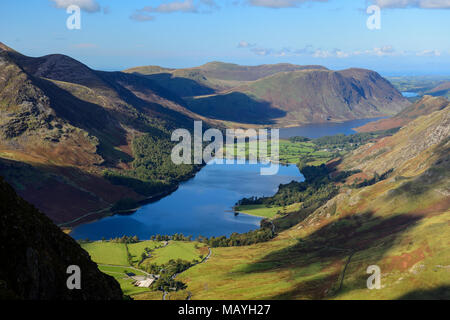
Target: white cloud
[
  {"x": 310, "y": 51},
  {"x": 275, "y": 4},
  {"x": 319, "y": 53},
  {"x": 424, "y": 4},
  {"x": 141, "y": 17},
  {"x": 383, "y": 51},
  {"x": 85, "y": 5},
  {"x": 261, "y": 51},
  {"x": 175, "y": 6},
  {"x": 435, "y": 53},
  {"x": 85, "y": 46},
  {"x": 341, "y": 54},
  {"x": 245, "y": 44},
  {"x": 183, "y": 6}
]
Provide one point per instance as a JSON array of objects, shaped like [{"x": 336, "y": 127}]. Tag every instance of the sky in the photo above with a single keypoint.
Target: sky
[{"x": 412, "y": 37}]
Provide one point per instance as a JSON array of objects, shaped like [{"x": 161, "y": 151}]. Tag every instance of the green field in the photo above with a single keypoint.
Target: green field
[
  {"x": 177, "y": 250},
  {"x": 119, "y": 270},
  {"x": 136, "y": 249},
  {"x": 126, "y": 283},
  {"x": 112, "y": 258},
  {"x": 262, "y": 210},
  {"x": 107, "y": 252},
  {"x": 289, "y": 153}
]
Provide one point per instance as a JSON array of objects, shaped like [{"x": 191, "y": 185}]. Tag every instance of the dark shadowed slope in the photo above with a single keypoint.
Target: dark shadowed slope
[{"x": 35, "y": 254}]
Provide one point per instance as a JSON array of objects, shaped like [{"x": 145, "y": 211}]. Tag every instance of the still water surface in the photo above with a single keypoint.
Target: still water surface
[
  {"x": 200, "y": 206},
  {"x": 203, "y": 205}
]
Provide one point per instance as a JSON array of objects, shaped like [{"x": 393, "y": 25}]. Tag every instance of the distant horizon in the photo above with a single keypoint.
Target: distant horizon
[{"x": 113, "y": 69}]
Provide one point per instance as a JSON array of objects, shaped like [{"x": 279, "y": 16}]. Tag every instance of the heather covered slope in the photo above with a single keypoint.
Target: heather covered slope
[
  {"x": 62, "y": 125},
  {"x": 35, "y": 255},
  {"x": 280, "y": 94},
  {"x": 424, "y": 106},
  {"x": 400, "y": 223}
]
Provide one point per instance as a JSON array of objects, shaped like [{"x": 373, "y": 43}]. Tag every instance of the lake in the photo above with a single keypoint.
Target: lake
[
  {"x": 317, "y": 130},
  {"x": 203, "y": 205},
  {"x": 407, "y": 94},
  {"x": 200, "y": 206}
]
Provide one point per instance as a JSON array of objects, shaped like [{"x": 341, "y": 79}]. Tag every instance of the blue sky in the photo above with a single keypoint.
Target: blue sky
[{"x": 115, "y": 34}]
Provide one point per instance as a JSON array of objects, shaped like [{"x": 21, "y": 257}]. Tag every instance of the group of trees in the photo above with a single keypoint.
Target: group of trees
[
  {"x": 175, "y": 237},
  {"x": 166, "y": 272},
  {"x": 153, "y": 161},
  {"x": 345, "y": 142},
  {"x": 152, "y": 169},
  {"x": 351, "y": 141},
  {"x": 299, "y": 139},
  {"x": 124, "y": 239},
  {"x": 317, "y": 187},
  {"x": 376, "y": 178},
  {"x": 263, "y": 234}
]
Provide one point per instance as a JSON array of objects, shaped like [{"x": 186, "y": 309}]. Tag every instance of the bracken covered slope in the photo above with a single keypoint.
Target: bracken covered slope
[{"x": 35, "y": 255}]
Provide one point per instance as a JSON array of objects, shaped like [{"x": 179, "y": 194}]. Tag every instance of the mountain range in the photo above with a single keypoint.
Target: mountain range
[
  {"x": 78, "y": 143},
  {"x": 281, "y": 94}
]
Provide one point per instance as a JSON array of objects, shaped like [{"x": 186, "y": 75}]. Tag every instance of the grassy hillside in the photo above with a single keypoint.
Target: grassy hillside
[
  {"x": 107, "y": 253},
  {"x": 399, "y": 223}
]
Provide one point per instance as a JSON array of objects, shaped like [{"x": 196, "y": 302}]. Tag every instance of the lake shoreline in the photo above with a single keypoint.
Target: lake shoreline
[
  {"x": 201, "y": 206},
  {"x": 91, "y": 217},
  {"x": 105, "y": 213}
]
